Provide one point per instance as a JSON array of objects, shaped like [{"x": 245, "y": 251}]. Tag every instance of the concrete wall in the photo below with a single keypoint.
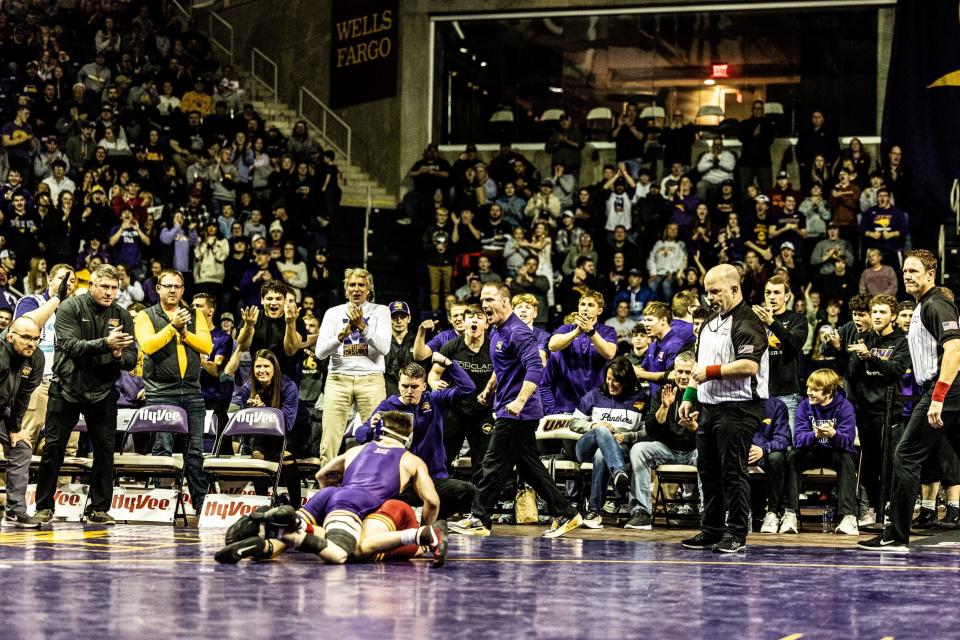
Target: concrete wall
[{"x": 389, "y": 135}]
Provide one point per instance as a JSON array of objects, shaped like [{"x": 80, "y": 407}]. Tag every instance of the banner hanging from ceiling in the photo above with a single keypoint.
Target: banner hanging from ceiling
[{"x": 364, "y": 51}]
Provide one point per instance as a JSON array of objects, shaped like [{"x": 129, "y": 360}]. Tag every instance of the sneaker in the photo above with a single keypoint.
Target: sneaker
[
  {"x": 435, "y": 537},
  {"x": 20, "y": 521},
  {"x": 99, "y": 517},
  {"x": 593, "y": 520},
  {"x": 640, "y": 521},
  {"x": 685, "y": 510},
  {"x": 469, "y": 526},
  {"x": 44, "y": 515},
  {"x": 621, "y": 482},
  {"x": 729, "y": 544},
  {"x": 788, "y": 523},
  {"x": 771, "y": 523},
  {"x": 562, "y": 525},
  {"x": 253, "y": 547},
  {"x": 868, "y": 518},
  {"x": 925, "y": 519},
  {"x": 848, "y": 526},
  {"x": 700, "y": 541},
  {"x": 610, "y": 507},
  {"x": 880, "y": 544},
  {"x": 949, "y": 521}
]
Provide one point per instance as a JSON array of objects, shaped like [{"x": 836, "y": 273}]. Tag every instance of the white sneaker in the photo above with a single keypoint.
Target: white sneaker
[
  {"x": 848, "y": 526},
  {"x": 870, "y": 517},
  {"x": 771, "y": 523},
  {"x": 788, "y": 524}
]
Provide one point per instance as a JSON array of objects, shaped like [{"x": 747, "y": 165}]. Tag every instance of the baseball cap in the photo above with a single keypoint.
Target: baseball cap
[
  {"x": 97, "y": 188},
  {"x": 788, "y": 245},
  {"x": 276, "y": 225},
  {"x": 727, "y": 183},
  {"x": 634, "y": 272},
  {"x": 782, "y": 174},
  {"x": 762, "y": 198},
  {"x": 6, "y": 253},
  {"x": 256, "y": 237},
  {"x": 568, "y": 214},
  {"x": 399, "y": 307},
  {"x": 226, "y": 315}
]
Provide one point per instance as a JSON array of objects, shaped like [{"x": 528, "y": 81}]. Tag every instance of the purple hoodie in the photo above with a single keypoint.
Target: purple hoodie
[
  {"x": 516, "y": 359},
  {"x": 774, "y": 432},
  {"x": 574, "y": 371},
  {"x": 840, "y": 410}
]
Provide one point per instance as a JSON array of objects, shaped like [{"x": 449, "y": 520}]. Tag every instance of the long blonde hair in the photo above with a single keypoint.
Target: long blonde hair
[{"x": 37, "y": 279}]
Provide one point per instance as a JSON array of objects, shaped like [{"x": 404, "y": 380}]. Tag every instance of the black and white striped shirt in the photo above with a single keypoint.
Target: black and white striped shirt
[
  {"x": 739, "y": 335},
  {"x": 935, "y": 321}
]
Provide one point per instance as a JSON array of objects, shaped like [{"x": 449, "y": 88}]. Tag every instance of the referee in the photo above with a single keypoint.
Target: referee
[
  {"x": 934, "y": 340},
  {"x": 731, "y": 386}
]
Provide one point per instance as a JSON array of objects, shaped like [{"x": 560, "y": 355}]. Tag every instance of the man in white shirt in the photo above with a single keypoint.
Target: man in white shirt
[{"x": 356, "y": 336}]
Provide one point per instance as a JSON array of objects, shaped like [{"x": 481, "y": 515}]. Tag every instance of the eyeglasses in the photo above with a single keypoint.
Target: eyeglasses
[
  {"x": 174, "y": 287},
  {"x": 27, "y": 338}
]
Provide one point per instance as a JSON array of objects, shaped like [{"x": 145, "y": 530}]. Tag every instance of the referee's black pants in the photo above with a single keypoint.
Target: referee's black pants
[
  {"x": 918, "y": 443},
  {"x": 514, "y": 443},
  {"x": 455, "y": 495},
  {"x": 724, "y": 435}
]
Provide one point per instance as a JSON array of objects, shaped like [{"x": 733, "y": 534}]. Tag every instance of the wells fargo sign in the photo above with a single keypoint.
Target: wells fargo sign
[{"x": 363, "y": 59}]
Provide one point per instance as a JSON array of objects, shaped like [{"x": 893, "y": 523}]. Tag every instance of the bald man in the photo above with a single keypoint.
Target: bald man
[
  {"x": 730, "y": 383},
  {"x": 21, "y": 369}
]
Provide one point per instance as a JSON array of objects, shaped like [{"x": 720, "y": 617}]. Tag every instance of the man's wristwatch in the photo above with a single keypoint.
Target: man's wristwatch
[{"x": 591, "y": 332}]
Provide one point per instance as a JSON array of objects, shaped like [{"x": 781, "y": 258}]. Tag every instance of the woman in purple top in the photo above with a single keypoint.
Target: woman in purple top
[{"x": 267, "y": 387}]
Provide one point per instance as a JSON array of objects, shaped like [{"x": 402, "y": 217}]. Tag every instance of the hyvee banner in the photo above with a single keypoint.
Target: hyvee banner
[{"x": 364, "y": 51}]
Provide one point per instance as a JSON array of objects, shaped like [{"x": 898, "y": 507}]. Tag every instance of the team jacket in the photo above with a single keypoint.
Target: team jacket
[
  {"x": 19, "y": 376},
  {"x": 774, "y": 432},
  {"x": 83, "y": 364}
]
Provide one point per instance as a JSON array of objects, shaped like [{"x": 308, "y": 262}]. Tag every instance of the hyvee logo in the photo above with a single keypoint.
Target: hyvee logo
[
  {"x": 255, "y": 417},
  {"x": 227, "y": 510},
  {"x": 137, "y": 503},
  {"x": 159, "y": 415}
]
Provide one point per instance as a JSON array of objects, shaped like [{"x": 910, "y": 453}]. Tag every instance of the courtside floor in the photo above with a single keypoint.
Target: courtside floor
[{"x": 139, "y": 581}]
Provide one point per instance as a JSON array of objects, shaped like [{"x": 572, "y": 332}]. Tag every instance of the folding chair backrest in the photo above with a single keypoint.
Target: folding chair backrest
[
  {"x": 256, "y": 421},
  {"x": 166, "y": 418}
]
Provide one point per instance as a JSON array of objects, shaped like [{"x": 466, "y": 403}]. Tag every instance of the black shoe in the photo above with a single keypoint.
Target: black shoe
[
  {"x": 19, "y": 521},
  {"x": 255, "y": 547},
  {"x": 621, "y": 482},
  {"x": 700, "y": 541},
  {"x": 44, "y": 515},
  {"x": 99, "y": 517},
  {"x": 729, "y": 544},
  {"x": 878, "y": 543},
  {"x": 925, "y": 519},
  {"x": 950, "y": 521},
  {"x": 640, "y": 521}
]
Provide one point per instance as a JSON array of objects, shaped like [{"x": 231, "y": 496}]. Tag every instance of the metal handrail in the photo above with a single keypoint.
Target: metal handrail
[
  {"x": 254, "y": 53},
  {"x": 326, "y": 113},
  {"x": 227, "y": 48},
  {"x": 186, "y": 11}
]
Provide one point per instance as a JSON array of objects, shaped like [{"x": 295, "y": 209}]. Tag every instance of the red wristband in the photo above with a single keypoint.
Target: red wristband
[
  {"x": 713, "y": 372},
  {"x": 940, "y": 391}
]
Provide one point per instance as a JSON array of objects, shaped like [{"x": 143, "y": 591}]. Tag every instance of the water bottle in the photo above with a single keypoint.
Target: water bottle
[
  {"x": 828, "y": 519},
  {"x": 750, "y": 521}
]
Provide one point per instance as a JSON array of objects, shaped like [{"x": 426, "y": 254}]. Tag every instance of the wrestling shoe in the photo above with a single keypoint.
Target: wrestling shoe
[
  {"x": 19, "y": 521},
  {"x": 925, "y": 519},
  {"x": 700, "y": 541},
  {"x": 640, "y": 521},
  {"x": 771, "y": 523},
  {"x": 729, "y": 544},
  {"x": 435, "y": 537},
  {"x": 562, "y": 525},
  {"x": 621, "y": 482},
  {"x": 951, "y": 520},
  {"x": 788, "y": 523},
  {"x": 44, "y": 515},
  {"x": 882, "y": 545},
  {"x": 255, "y": 547},
  {"x": 99, "y": 517},
  {"x": 469, "y": 526},
  {"x": 593, "y": 520},
  {"x": 848, "y": 526},
  {"x": 277, "y": 520}
]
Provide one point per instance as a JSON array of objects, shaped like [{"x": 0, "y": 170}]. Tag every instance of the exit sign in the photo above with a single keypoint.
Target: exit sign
[{"x": 720, "y": 71}]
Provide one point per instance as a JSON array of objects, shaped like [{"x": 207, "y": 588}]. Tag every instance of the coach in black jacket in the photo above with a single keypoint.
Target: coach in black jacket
[{"x": 94, "y": 343}]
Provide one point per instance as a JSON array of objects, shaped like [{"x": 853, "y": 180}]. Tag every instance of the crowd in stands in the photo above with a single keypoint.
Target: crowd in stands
[{"x": 125, "y": 141}]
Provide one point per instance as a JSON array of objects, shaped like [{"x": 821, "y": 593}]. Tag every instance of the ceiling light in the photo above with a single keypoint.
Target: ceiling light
[
  {"x": 483, "y": 63},
  {"x": 555, "y": 89},
  {"x": 463, "y": 50}
]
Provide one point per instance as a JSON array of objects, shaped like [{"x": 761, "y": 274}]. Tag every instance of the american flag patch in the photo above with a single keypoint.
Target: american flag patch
[
  {"x": 950, "y": 326},
  {"x": 745, "y": 349}
]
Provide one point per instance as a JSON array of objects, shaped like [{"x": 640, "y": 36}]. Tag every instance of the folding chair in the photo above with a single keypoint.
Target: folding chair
[
  {"x": 81, "y": 466},
  {"x": 672, "y": 474},
  {"x": 252, "y": 421},
  {"x": 160, "y": 418},
  {"x": 556, "y": 427}
]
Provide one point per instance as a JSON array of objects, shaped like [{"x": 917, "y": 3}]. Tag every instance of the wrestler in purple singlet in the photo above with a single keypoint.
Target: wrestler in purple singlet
[{"x": 372, "y": 478}]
